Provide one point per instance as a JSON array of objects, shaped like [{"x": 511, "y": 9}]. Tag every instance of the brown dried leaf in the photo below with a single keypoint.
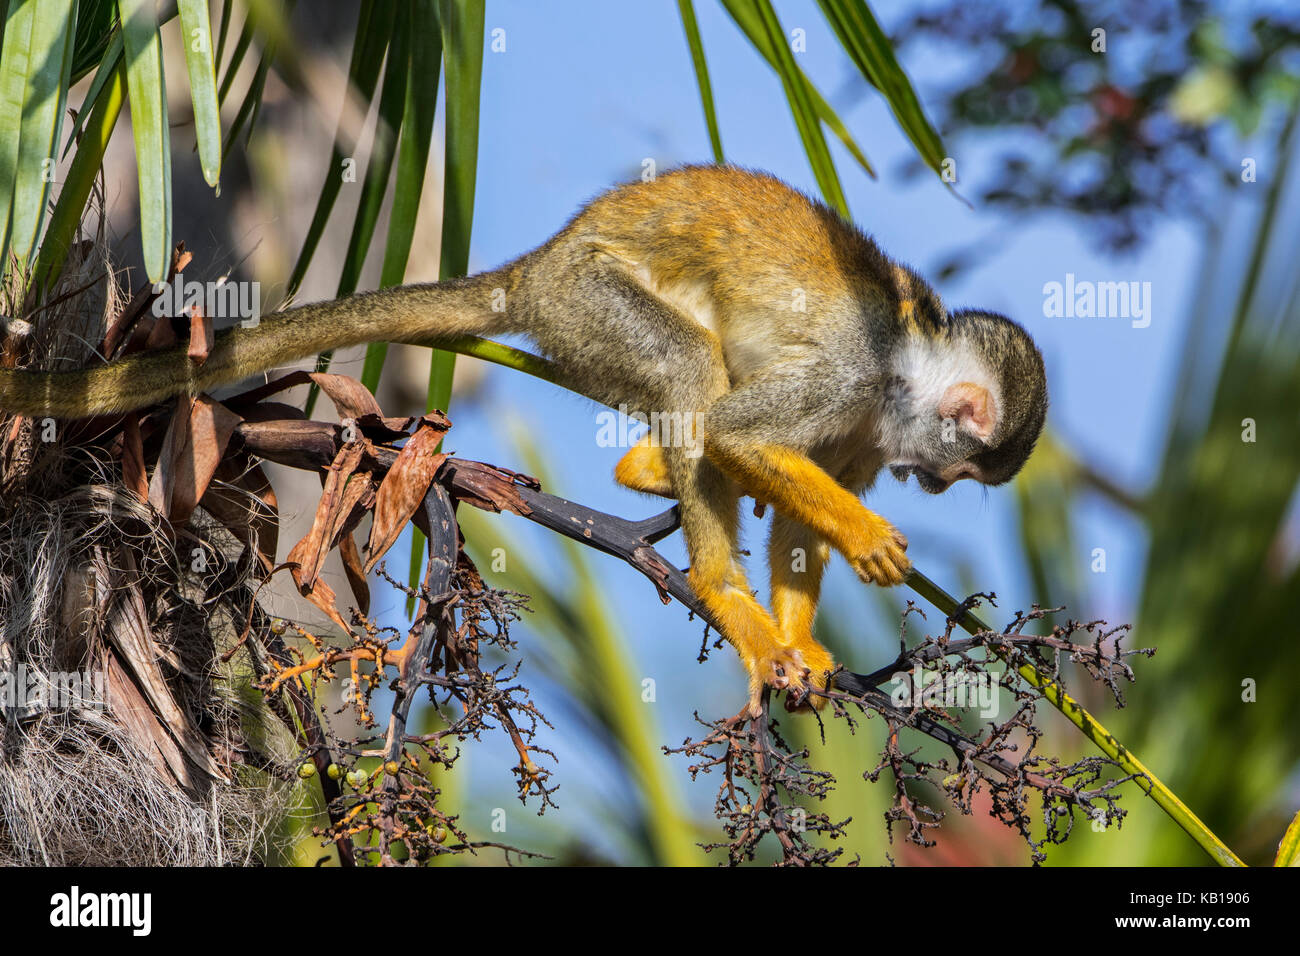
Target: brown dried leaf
[
  {"x": 335, "y": 507},
  {"x": 192, "y": 449},
  {"x": 126, "y": 625},
  {"x": 273, "y": 387},
  {"x": 349, "y": 396},
  {"x": 201, "y": 336},
  {"x": 358, "y": 498},
  {"x": 487, "y": 487},
  {"x": 125, "y": 321},
  {"x": 272, "y": 412},
  {"x": 255, "y": 520},
  {"x": 355, "y": 572},
  {"x": 160, "y": 485},
  {"x": 132, "y": 711},
  {"x": 381, "y": 429},
  {"x": 403, "y": 489},
  {"x": 134, "y": 474},
  {"x": 154, "y": 333},
  {"x": 136, "y": 317},
  {"x": 299, "y": 444},
  {"x": 323, "y": 596}
]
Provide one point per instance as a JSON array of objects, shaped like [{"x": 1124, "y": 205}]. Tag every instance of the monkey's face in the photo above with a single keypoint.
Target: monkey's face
[
  {"x": 971, "y": 407},
  {"x": 936, "y": 478}
]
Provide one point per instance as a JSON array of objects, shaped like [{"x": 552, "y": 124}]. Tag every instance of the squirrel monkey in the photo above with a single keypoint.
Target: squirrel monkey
[{"x": 711, "y": 295}]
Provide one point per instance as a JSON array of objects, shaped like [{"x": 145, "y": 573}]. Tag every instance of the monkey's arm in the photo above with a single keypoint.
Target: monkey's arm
[
  {"x": 794, "y": 485},
  {"x": 741, "y": 437}
]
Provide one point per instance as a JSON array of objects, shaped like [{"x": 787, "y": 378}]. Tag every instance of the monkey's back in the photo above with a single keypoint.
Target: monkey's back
[{"x": 759, "y": 264}]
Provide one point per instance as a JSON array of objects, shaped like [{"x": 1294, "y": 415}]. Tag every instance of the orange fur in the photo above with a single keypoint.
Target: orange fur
[
  {"x": 796, "y": 487},
  {"x": 746, "y": 626},
  {"x": 643, "y": 469},
  {"x": 797, "y": 558},
  {"x": 802, "y": 491},
  {"x": 718, "y": 580}
]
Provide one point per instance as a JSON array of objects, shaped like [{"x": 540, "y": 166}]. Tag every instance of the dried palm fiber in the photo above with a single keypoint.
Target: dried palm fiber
[{"x": 173, "y": 757}]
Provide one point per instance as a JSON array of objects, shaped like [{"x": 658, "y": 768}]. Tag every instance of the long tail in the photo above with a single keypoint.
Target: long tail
[{"x": 414, "y": 314}]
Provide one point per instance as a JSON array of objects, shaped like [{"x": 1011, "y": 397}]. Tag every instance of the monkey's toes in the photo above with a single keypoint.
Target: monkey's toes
[
  {"x": 784, "y": 669},
  {"x": 810, "y": 665},
  {"x": 778, "y": 677}
]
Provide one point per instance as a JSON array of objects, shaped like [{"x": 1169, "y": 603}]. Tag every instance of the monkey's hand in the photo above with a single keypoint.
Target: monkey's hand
[{"x": 877, "y": 553}]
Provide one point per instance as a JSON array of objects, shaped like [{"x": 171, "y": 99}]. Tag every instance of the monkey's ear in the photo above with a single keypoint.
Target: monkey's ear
[{"x": 972, "y": 408}]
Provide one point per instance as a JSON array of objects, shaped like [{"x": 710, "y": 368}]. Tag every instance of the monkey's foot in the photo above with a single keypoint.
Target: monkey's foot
[
  {"x": 798, "y": 669},
  {"x": 882, "y": 559}
]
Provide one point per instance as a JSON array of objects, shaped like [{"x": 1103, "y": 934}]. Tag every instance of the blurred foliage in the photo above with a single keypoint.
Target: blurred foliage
[
  {"x": 1158, "y": 126},
  {"x": 872, "y": 56},
  {"x": 50, "y": 45},
  {"x": 1219, "y": 586},
  {"x": 1118, "y": 136}
]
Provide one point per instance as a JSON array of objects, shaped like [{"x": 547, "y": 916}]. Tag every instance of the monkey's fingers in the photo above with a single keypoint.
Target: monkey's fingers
[
  {"x": 796, "y": 667},
  {"x": 803, "y": 700},
  {"x": 780, "y": 673},
  {"x": 885, "y": 573},
  {"x": 887, "y": 568},
  {"x": 887, "y": 563}
]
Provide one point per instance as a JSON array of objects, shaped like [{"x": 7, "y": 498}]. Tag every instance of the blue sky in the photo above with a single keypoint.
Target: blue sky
[{"x": 579, "y": 99}]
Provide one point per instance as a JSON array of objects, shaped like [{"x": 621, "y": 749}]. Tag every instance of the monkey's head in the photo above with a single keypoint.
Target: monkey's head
[{"x": 970, "y": 404}]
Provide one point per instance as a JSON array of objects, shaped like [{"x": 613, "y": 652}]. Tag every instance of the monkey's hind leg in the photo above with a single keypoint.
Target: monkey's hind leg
[
  {"x": 710, "y": 523},
  {"x": 796, "y": 558}
]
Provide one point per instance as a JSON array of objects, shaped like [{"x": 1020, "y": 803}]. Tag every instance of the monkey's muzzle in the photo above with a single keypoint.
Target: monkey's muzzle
[{"x": 928, "y": 481}]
